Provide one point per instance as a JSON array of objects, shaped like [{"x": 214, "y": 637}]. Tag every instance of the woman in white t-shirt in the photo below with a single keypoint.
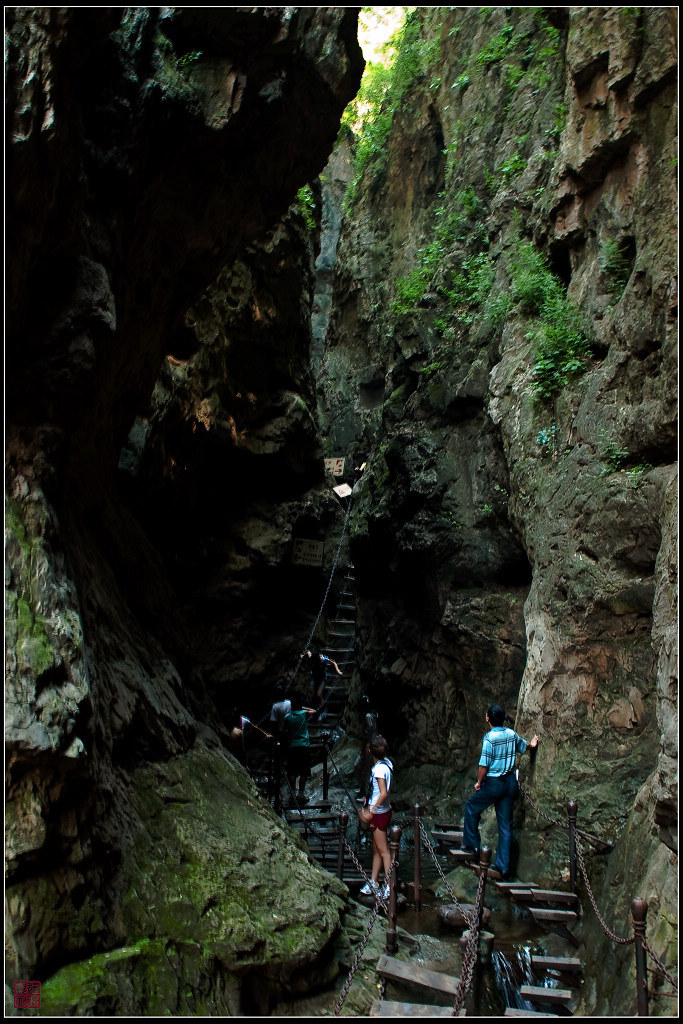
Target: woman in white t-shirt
[{"x": 378, "y": 813}]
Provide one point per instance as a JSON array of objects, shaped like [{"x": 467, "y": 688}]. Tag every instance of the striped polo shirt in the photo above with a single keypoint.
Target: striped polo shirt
[{"x": 498, "y": 750}]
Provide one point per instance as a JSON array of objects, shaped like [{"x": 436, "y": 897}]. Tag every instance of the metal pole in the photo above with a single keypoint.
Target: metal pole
[
  {"x": 343, "y": 825},
  {"x": 326, "y": 773},
  {"x": 639, "y": 913},
  {"x": 417, "y": 810},
  {"x": 394, "y": 844},
  {"x": 572, "y": 811}
]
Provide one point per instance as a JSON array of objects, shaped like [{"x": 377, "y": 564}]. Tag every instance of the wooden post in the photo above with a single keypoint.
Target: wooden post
[
  {"x": 394, "y": 844},
  {"x": 343, "y": 825},
  {"x": 417, "y": 811},
  {"x": 639, "y": 913},
  {"x": 572, "y": 810},
  {"x": 326, "y": 773}
]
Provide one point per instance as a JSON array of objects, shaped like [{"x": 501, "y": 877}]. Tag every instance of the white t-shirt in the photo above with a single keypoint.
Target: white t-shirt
[{"x": 381, "y": 770}]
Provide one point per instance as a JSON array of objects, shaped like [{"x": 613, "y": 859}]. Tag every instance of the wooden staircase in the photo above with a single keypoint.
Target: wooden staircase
[{"x": 401, "y": 973}]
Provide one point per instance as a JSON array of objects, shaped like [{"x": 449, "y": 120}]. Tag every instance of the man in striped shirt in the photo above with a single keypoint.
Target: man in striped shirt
[{"x": 496, "y": 784}]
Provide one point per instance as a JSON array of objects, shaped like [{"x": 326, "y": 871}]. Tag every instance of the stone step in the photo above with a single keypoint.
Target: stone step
[
  {"x": 540, "y": 994},
  {"x": 389, "y": 1008},
  {"x": 557, "y": 963},
  {"x": 397, "y": 970}
]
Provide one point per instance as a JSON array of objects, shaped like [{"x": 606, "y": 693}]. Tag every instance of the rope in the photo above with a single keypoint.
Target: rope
[{"x": 470, "y": 957}]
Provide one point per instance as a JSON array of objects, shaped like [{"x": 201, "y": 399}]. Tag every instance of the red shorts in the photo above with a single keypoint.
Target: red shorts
[{"x": 380, "y": 822}]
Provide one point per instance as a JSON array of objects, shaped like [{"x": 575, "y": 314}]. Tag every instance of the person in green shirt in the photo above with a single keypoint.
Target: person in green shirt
[{"x": 299, "y": 747}]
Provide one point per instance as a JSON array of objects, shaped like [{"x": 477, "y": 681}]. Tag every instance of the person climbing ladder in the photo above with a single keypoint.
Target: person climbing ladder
[{"x": 318, "y": 665}]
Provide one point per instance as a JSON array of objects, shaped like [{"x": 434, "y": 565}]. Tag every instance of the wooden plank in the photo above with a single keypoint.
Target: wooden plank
[
  {"x": 556, "y": 963},
  {"x": 447, "y": 837},
  {"x": 521, "y": 895},
  {"x": 554, "y": 896},
  {"x": 512, "y": 1011},
  {"x": 538, "y": 993},
  {"x": 562, "y": 916},
  {"x": 398, "y": 970},
  {"x": 389, "y": 1008},
  {"x": 507, "y": 886}
]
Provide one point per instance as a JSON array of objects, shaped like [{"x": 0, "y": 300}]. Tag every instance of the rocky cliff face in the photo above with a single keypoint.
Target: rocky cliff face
[
  {"x": 150, "y": 148},
  {"x": 492, "y": 323},
  {"x": 503, "y": 345}
]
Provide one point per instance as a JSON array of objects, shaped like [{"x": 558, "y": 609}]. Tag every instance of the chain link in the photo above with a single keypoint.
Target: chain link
[
  {"x": 430, "y": 849},
  {"x": 603, "y": 923},
  {"x": 470, "y": 956},
  {"x": 356, "y": 961},
  {"x": 379, "y": 905},
  {"x": 660, "y": 965}
]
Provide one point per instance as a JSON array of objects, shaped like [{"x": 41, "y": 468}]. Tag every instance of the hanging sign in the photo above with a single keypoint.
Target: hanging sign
[
  {"x": 307, "y": 552},
  {"x": 335, "y": 466},
  {"x": 343, "y": 490}
]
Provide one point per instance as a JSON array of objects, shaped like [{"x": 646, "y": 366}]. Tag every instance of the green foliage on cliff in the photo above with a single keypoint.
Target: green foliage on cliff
[
  {"x": 306, "y": 205},
  {"x": 560, "y": 334},
  {"x": 405, "y": 57}
]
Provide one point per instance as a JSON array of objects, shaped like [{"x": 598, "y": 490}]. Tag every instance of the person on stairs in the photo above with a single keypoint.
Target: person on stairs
[
  {"x": 377, "y": 812},
  {"x": 298, "y": 748},
  {"x": 496, "y": 784},
  {"x": 318, "y": 665}
]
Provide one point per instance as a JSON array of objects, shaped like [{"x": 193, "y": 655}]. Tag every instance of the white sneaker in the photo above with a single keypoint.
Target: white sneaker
[
  {"x": 369, "y": 889},
  {"x": 385, "y": 891}
]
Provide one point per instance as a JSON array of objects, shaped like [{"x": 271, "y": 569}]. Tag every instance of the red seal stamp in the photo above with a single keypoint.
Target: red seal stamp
[{"x": 26, "y": 995}]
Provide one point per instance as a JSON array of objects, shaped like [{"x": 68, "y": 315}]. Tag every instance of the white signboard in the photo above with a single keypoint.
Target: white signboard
[
  {"x": 343, "y": 490},
  {"x": 335, "y": 466},
  {"x": 307, "y": 552}
]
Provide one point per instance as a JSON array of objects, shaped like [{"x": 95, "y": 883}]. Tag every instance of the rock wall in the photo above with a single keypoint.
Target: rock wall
[
  {"x": 503, "y": 345},
  {"x": 150, "y": 148}
]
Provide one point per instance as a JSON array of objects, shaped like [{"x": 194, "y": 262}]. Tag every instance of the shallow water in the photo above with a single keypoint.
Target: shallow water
[{"x": 516, "y": 937}]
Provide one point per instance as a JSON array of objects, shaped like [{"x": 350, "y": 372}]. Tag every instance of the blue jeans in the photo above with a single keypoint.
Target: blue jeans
[{"x": 500, "y": 791}]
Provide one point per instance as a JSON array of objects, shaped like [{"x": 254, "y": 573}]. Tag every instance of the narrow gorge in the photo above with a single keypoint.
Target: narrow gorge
[{"x": 224, "y": 265}]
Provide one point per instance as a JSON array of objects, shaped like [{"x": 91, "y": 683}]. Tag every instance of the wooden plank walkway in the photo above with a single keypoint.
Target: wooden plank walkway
[
  {"x": 542, "y": 915},
  {"x": 389, "y": 1008},
  {"x": 512, "y": 1011},
  {"x": 541, "y": 994},
  {"x": 557, "y": 963},
  {"x": 398, "y": 970}
]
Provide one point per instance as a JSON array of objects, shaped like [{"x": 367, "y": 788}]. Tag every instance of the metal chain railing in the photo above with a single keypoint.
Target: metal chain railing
[
  {"x": 605, "y": 927},
  {"x": 428, "y": 846},
  {"x": 356, "y": 961},
  {"x": 380, "y": 904},
  {"x": 660, "y": 966},
  {"x": 595, "y": 840},
  {"x": 470, "y": 957}
]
